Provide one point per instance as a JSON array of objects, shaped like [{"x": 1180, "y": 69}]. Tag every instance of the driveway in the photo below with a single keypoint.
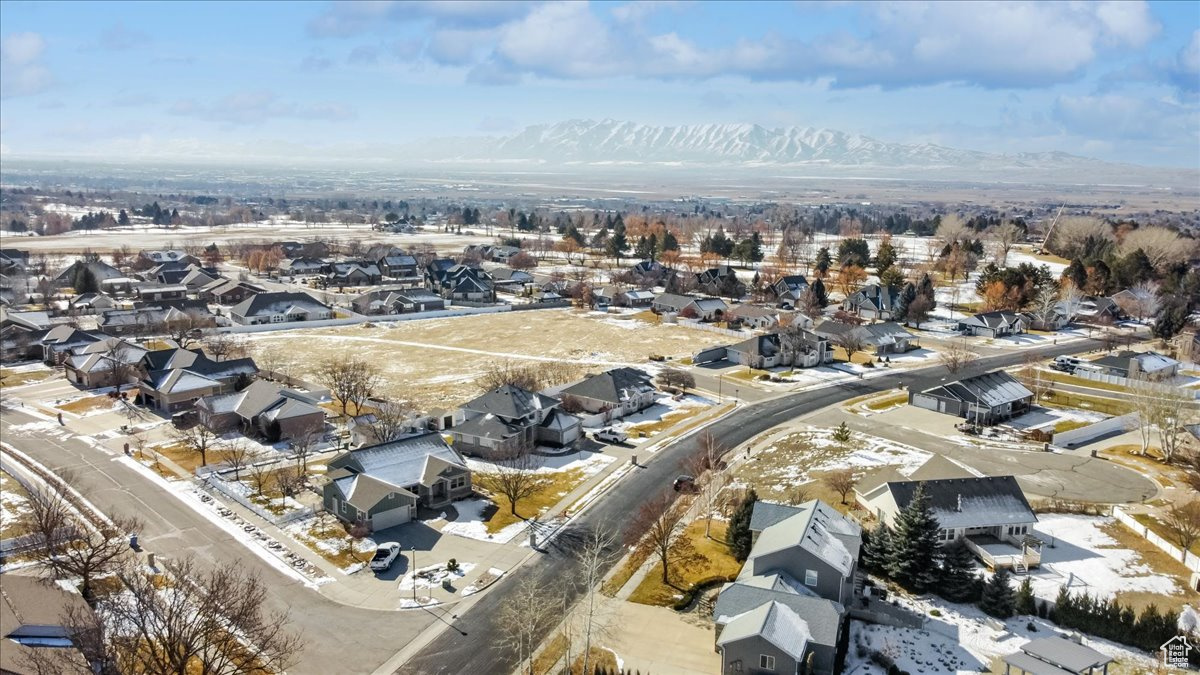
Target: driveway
[{"x": 660, "y": 640}]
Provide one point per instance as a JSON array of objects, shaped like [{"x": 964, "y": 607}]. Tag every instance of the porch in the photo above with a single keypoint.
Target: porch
[{"x": 1018, "y": 553}]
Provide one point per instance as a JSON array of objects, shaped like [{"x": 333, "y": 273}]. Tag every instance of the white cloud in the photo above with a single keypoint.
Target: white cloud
[
  {"x": 21, "y": 69},
  {"x": 348, "y": 18},
  {"x": 256, "y": 107},
  {"x": 1130, "y": 118}
]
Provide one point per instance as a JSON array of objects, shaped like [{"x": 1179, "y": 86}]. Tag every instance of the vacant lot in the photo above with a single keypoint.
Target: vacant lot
[{"x": 436, "y": 362}]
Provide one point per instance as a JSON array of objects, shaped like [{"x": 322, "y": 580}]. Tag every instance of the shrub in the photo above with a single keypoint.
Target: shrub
[
  {"x": 883, "y": 660},
  {"x": 935, "y": 612}
]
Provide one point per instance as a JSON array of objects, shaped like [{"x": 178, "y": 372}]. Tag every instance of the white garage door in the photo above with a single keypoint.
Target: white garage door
[{"x": 399, "y": 516}]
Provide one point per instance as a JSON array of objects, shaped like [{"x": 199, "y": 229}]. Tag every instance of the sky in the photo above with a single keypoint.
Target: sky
[{"x": 1118, "y": 81}]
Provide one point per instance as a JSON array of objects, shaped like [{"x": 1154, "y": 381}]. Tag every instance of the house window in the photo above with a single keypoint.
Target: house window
[
  {"x": 766, "y": 662},
  {"x": 810, "y": 579},
  {"x": 458, "y": 482}
]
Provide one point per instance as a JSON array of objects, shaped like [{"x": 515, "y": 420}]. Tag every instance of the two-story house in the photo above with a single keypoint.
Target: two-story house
[
  {"x": 873, "y": 302},
  {"x": 509, "y": 420}
]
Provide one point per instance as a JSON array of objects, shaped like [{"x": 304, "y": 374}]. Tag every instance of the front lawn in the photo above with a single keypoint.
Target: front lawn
[
  {"x": 326, "y": 536},
  {"x": 558, "y": 484},
  {"x": 16, "y": 378},
  {"x": 185, "y": 457},
  {"x": 14, "y": 508},
  {"x": 702, "y": 559},
  {"x": 887, "y": 402},
  {"x": 87, "y": 404}
]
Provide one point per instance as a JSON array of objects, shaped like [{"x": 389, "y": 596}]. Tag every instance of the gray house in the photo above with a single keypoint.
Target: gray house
[
  {"x": 878, "y": 338},
  {"x": 993, "y": 324},
  {"x": 1138, "y": 365},
  {"x": 803, "y": 349},
  {"x": 985, "y": 399},
  {"x": 265, "y": 408},
  {"x": 708, "y": 309},
  {"x": 617, "y": 392},
  {"x": 789, "y": 289},
  {"x": 786, "y": 612},
  {"x": 873, "y": 302},
  {"x": 281, "y": 307},
  {"x": 382, "y": 485},
  {"x": 509, "y": 420}
]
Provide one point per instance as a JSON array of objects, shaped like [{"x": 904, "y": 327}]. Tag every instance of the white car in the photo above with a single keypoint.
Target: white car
[
  {"x": 385, "y": 555},
  {"x": 611, "y": 436}
]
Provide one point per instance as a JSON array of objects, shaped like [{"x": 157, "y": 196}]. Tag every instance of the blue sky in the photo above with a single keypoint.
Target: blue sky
[{"x": 1118, "y": 81}]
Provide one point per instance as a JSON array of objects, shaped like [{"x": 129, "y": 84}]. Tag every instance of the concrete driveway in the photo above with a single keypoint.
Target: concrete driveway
[{"x": 660, "y": 640}]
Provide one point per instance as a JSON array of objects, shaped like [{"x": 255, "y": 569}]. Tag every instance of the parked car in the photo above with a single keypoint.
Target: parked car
[
  {"x": 385, "y": 555},
  {"x": 611, "y": 436},
  {"x": 684, "y": 483}
]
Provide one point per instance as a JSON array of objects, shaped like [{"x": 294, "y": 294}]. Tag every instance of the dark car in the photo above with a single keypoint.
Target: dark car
[{"x": 684, "y": 483}]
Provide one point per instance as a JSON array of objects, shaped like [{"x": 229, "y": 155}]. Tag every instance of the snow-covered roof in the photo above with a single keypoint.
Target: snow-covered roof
[
  {"x": 970, "y": 502},
  {"x": 774, "y": 622},
  {"x": 818, "y": 529},
  {"x": 406, "y": 461}
]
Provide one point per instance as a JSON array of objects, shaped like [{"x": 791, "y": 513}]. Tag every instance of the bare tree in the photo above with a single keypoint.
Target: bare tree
[
  {"x": 1046, "y": 304},
  {"x": 1004, "y": 236},
  {"x": 515, "y": 477},
  {"x": 840, "y": 481},
  {"x": 120, "y": 358},
  {"x": 1070, "y": 300},
  {"x": 185, "y": 328},
  {"x": 1173, "y": 413},
  {"x": 238, "y": 455},
  {"x": 675, "y": 378},
  {"x": 289, "y": 480},
  {"x": 213, "y": 621},
  {"x": 598, "y": 550},
  {"x": 304, "y": 442},
  {"x": 351, "y": 379},
  {"x": 1147, "y": 403},
  {"x": 1034, "y": 378},
  {"x": 852, "y": 342},
  {"x": 706, "y": 466},
  {"x": 658, "y": 526},
  {"x": 1183, "y": 521},
  {"x": 391, "y": 420},
  {"x": 955, "y": 356},
  {"x": 260, "y": 477},
  {"x": 274, "y": 360},
  {"x": 529, "y": 614},
  {"x": 76, "y": 548},
  {"x": 223, "y": 346},
  {"x": 1141, "y": 301},
  {"x": 525, "y": 376},
  {"x": 196, "y": 438}
]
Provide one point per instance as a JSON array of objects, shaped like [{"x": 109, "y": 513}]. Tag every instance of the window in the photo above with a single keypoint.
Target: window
[
  {"x": 810, "y": 579},
  {"x": 766, "y": 661},
  {"x": 457, "y": 482}
]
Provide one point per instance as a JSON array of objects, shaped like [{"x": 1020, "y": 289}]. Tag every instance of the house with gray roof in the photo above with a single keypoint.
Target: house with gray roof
[
  {"x": 985, "y": 399},
  {"x": 753, "y": 316},
  {"x": 107, "y": 363},
  {"x": 224, "y": 291},
  {"x": 787, "y": 610},
  {"x": 873, "y": 301},
  {"x": 459, "y": 282},
  {"x": 1138, "y": 365},
  {"x": 280, "y": 307},
  {"x": 1056, "y": 655},
  {"x": 35, "y": 634},
  {"x": 172, "y": 380},
  {"x": 509, "y": 420},
  {"x": 101, "y": 271},
  {"x": 706, "y": 309},
  {"x": 266, "y": 409},
  {"x": 55, "y": 343},
  {"x": 397, "y": 301},
  {"x": 383, "y": 485},
  {"x": 801, "y": 349},
  {"x": 616, "y": 393},
  {"x": 877, "y": 338},
  {"x": 788, "y": 289},
  {"x": 993, "y": 324}
]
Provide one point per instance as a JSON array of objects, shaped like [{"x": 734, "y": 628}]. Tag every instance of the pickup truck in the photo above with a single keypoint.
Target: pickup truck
[
  {"x": 610, "y": 436},
  {"x": 385, "y": 555}
]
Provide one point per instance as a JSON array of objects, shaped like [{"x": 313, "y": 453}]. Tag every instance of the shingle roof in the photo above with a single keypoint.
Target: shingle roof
[
  {"x": 970, "y": 502},
  {"x": 766, "y": 514},
  {"x": 510, "y": 402},
  {"x": 823, "y": 616},
  {"x": 393, "y": 466},
  {"x": 268, "y": 303},
  {"x": 774, "y": 622},
  {"x": 612, "y": 386},
  {"x": 989, "y": 389},
  {"x": 818, "y": 529}
]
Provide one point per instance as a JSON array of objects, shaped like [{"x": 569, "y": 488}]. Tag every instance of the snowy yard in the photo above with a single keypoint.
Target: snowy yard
[
  {"x": 798, "y": 458},
  {"x": 958, "y": 641},
  {"x": 14, "y": 507},
  {"x": 665, "y": 413},
  {"x": 434, "y": 575},
  {"x": 326, "y": 536}
]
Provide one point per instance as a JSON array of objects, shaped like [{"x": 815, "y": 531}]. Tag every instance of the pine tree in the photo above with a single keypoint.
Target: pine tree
[
  {"x": 907, "y": 295},
  {"x": 915, "y": 551},
  {"x": 85, "y": 281},
  {"x": 877, "y": 550},
  {"x": 820, "y": 294},
  {"x": 824, "y": 261},
  {"x": 669, "y": 242},
  {"x": 998, "y": 599},
  {"x": 122, "y": 218},
  {"x": 885, "y": 257},
  {"x": 1025, "y": 602},
  {"x": 738, "y": 536},
  {"x": 842, "y": 434},
  {"x": 959, "y": 582},
  {"x": 617, "y": 244}
]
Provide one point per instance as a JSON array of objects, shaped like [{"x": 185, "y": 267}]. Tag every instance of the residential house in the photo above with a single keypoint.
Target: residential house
[
  {"x": 35, "y": 628},
  {"x": 507, "y": 279},
  {"x": 788, "y": 289},
  {"x": 993, "y": 324},
  {"x": 720, "y": 280},
  {"x": 295, "y": 267},
  {"x": 89, "y": 303},
  {"x": 172, "y": 380},
  {"x": 985, "y": 399},
  {"x": 753, "y": 316},
  {"x": 17, "y": 330},
  {"x": 101, "y": 271},
  {"x": 879, "y": 339},
  {"x": 509, "y": 420},
  {"x": 54, "y": 344},
  {"x": 648, "y": 268},
  {"x": 197, "y": 278},
  {"x": 109, "y": 362},
  {"x": 142, "y": 321},
  {"x": 616, "y": 393},
  {"x": 799, "y": 349},
  {"x": 278, "y": 307},
  {"x": 1057, "y": 655},
  {"x": 1100, "y": 311},
  {"x": 492, "y": 252},
  {"x": 396, "y": 264},
  {"x": 460, "y": 282},
  {"x": 543, "y": 297},
  {"x": 397, "y": 301},
  {"x": 13, "y": 260},
  {"x": 267, "y": 409},
  {"x": 1137, "y": 366},
  {"x": 989, "y": 514},
  {"x": 151, "y": 291},
  {"x": 353, "y": 274},
  {"x": 1056, "y": 319},
  {"x": 787, "y": 610},
  {"x": 937, "y": 467},
  {"x": 224, "y": 291},
  {"x": 873, "y": 302},
  {"x": 705, "y": 309},
  {"x": 152, "y": 258},
  {"x": 619, "y": 297},
  {"x": 383, "y": 485}
]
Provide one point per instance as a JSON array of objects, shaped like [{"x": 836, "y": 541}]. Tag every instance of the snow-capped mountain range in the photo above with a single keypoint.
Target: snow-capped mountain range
[{"x": 616, "y": 142}]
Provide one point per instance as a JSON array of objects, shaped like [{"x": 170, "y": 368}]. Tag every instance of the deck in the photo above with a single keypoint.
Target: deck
[{"x": 997, "y": 553}]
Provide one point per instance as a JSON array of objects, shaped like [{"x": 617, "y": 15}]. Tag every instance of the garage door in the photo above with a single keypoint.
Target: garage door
[{"x": 382, "y": 521}]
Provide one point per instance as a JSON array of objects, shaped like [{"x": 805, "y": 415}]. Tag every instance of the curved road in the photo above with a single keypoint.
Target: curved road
[{"x": 481, "y": 651}]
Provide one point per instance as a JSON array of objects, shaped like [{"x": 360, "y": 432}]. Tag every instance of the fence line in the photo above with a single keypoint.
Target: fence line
[
  {"x": 1189, "y": 559},
  {"x": 1159, "y": 387},
  {"x": 692, "y": 323},
  {"x": 215, "y": 481}
]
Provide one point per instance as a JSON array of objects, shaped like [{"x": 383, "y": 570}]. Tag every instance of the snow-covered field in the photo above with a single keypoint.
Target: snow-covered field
[
  {"x": 1081, "y": 556},
  {"x": 958, "y": 641}
]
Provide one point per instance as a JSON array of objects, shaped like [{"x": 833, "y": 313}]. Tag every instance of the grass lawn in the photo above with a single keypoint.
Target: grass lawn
[
  {"x": 1158, "y": 561},
  {"x": 186, "y": 458},
  {"x": 748, "y": 374},
  {"x": 1067, "y": 425},
  {"x": 1160, "y": 528},
  {"x": 327, "y": 538},
  {"x": 668, "y": 420},
  {"x": 335, "y": 406},
  {"x": 1083, "y": 382},
  {"x": 87, "y": 404},
  {"x": 1061, "y": 399},
  {"x": 558, "y": 485},
  {"x": 839, "y": 354},
  {"x": 1150, "y": 464},
  {"x": 625, "y": 572},
  {"x": 703, "y": 558},
  {"x": 16, "y": 378},
  {"x": 886, "y": 402},
  {"x": 14, "y": 521}
]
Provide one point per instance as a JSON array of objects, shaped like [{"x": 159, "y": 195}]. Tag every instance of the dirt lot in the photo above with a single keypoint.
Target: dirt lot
[{"x": 434, "y": 363}]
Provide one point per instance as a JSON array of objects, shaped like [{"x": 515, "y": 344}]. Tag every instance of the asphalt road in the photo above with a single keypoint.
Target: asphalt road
[{"x": 482, "y": 651}]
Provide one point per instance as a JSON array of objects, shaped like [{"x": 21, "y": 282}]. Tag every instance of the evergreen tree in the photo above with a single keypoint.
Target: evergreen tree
[
  {"x": 122, "y": 218},
  {"x": 1076, "y": 273},
  {"x": 926, "y": 289},
  {"x": 998, "y": 599},
  {"x": 600, "y": 239},
  {"x": 915, "y": 551},
  {"x": 669, "y": 242},
  {"x": 1171, "y": 318},
  {"x": 617, "y": 245},
  {"x": 819, "y": 293},
  {"x": 885, "y": 257},
  {"x": 643, "y": 249},
  {"x": 1025, "y": 602},
  {"x": 877, "y": 550},
  {"x": 85, "y": 281},
  {"x": 891, "y": 277},
  {"x": 959, "y": 582},
  {"x": 573, "y": 233},
  {"x": 907, "y": 295},
  {"x": 853, "y": 252},
  {"x": 737, "y": 535},
  {"x": 824, "y": 261}
]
